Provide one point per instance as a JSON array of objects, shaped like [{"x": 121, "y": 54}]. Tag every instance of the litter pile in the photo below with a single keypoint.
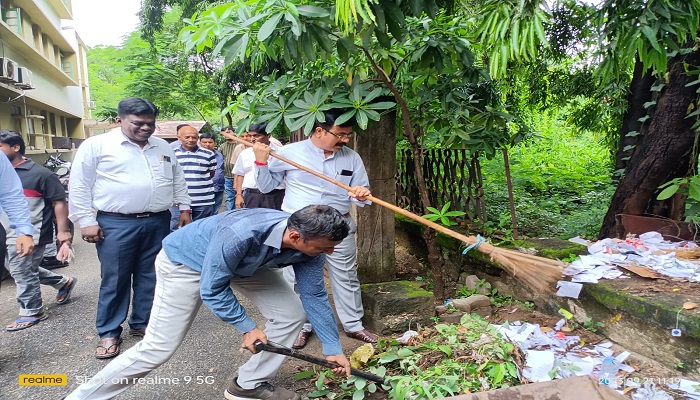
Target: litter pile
[
  {"x": 647, "y": 254},
  {"x": 549, "y": 355}
]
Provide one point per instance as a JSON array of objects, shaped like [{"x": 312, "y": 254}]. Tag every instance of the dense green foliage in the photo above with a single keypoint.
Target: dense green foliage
[
  {"x": 182, "y": 85},
  {"x": 561, "y": 182}
]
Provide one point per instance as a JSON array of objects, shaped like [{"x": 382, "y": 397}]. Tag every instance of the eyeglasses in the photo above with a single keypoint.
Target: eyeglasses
[{"x": 341, "y": 136}]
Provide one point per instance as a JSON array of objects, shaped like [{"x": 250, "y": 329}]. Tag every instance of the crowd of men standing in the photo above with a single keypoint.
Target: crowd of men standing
[{"x": 141, "y": 201}]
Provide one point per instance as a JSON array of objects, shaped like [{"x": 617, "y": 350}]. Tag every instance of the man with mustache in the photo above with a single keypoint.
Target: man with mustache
[
  {"x": 247, "y": 191},
  {"x": 122, "y": 185},
  {"x": 325, "y": 151}
]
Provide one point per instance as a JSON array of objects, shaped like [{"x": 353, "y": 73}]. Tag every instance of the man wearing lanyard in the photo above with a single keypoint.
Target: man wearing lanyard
[
  {"x": 324, "y": 151},
  {"x": 129, "y": 180}
]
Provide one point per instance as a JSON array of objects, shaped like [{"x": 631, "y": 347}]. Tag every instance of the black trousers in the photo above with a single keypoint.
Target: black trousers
[{"x": 254, "y": 199}]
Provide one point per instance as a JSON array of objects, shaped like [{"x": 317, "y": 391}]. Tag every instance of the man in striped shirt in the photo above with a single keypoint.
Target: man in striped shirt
[{"x": 199, "y": 166}]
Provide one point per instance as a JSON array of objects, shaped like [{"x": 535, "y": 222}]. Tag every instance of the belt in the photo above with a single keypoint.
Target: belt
[{"x": 147, "y": 214}]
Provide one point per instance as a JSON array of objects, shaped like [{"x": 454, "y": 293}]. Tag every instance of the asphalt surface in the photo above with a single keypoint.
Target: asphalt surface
[{"x": 65, "y": 344}]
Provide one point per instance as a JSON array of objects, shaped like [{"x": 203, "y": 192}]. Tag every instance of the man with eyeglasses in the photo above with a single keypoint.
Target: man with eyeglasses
[
  {"x": 247, "y": 193},
  {"x": 122, "y": 186},
  {"x": 326, "y": 152}
]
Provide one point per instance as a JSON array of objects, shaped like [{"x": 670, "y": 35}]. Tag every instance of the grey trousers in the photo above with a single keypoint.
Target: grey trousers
[
  {"x": 28, "y": 276},
  {"x": 342, "y": 271},
  {"x": 175, "y": 306}
]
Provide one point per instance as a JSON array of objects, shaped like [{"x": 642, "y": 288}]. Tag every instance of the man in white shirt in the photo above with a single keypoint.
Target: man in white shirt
[
  {"x": 122, "y": 185},
  {"x": 247, "y": 193},
  {"x": 325, "y": 151}
]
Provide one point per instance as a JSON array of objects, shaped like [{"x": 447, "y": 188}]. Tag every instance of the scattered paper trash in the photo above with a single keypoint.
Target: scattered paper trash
[
  {"x": 569, "y": 289},
  {"x": 406, "y": 337},
  {"x": 649, "y": 252},
  {"x": 648, "y": 391}
]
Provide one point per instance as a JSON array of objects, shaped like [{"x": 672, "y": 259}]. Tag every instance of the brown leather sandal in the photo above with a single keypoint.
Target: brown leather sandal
[{"x": 108, "y": 348}]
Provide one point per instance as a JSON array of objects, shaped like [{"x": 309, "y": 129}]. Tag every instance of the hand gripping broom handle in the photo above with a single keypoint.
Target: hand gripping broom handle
[
  {"x": 259, "y": 346},
  {"x": 483, "y": 247}
]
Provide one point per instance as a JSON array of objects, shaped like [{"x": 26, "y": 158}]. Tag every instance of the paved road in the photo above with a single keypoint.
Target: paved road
[{"x": 65, "y": 344}]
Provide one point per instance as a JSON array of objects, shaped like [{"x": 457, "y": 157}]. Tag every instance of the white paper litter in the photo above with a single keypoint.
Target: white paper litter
[
  {"x": 569, "y": 289},
  {"x": 648, "y": 250},
  {"x": 552, "y": 354},
  {"x": 690, "y": 388}
]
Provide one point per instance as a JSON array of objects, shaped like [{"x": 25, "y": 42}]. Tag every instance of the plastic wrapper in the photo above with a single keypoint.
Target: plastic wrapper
[{"x": 65, "y": 253}]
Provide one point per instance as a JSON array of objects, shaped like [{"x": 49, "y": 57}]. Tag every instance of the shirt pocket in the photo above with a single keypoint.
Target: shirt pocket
[
  {"x": 166, "y": 169},
  {"x": 344, "y": 176}
]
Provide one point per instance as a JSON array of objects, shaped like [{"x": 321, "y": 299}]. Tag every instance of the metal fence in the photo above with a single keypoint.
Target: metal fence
[{"x": 452, "y": 175}]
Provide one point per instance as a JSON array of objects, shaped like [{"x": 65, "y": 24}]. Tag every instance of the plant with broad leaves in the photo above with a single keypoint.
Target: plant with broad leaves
[
  {"x": 689, "y": 187},
  {"x": 443, "y": 215}
]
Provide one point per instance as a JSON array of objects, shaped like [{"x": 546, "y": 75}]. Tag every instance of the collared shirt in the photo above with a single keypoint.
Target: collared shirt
[
  {"x": 112, "y": 174},
  {"x": 41, "y": 189},
  {"x": 302, "y": 188},
  {"x": 218, "y": 179},
  {"x": 227, "y": 149},
  {"x": 245, "y": 166},
  {"x": 198, "y": 165},
  {"x": 234, "y": 245},
  {"x": 12, "y": 200}
]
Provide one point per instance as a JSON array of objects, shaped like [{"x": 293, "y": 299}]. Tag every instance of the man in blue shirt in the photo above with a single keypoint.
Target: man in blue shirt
[
  {"x": 13, "y": 202},
  {"x": 243, "y": 250}
]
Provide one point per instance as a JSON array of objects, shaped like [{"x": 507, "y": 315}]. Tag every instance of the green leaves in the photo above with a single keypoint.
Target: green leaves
[
  {"x": 443, "y": 215},
  {"x": 269, "y": 26},
  {"x": 511, "y": 32}
]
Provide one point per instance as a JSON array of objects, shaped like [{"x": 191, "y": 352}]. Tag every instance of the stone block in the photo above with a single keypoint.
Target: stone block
[
  {"x": 394, "y": 307},
  {"x": 472, "y": 282},
  {"x": 451, "y": 318},
  {"x": 472, "y": 302}
]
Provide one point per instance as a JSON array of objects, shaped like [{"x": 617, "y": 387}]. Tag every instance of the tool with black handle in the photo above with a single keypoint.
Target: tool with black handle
[{"x": 272, "y": 348}]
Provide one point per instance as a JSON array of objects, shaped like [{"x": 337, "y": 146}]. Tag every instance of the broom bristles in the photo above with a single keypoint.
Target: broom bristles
[{"x": 536, "y": 272}]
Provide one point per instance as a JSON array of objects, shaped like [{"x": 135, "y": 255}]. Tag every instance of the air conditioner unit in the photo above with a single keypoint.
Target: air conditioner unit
[
  {"x": 24, "y": 78},
  {"x": 8, "y": 70}
]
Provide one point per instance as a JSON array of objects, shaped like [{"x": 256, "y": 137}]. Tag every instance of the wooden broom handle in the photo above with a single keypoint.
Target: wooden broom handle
[{"x": 449, "y": 232}]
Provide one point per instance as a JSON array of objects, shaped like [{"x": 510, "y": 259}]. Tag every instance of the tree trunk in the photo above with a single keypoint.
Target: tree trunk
[
  {"x": 640, "y": 93},
  {"x": 376, "y": 260},
  {"x": 664, "y": 152}
]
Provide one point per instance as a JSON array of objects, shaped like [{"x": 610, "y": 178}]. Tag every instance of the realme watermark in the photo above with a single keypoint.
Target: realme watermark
[{"x": 43, "y": 380}]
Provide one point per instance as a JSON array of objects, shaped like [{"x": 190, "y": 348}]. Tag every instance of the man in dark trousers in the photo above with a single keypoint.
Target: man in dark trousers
[
  {"x": 122, "y": 185},
  {"x": 242, "y": 250},
  {"x": 247, "y": 193},
  {"x": 199, "y": 166},
  {"x": 47, "y": 198}
]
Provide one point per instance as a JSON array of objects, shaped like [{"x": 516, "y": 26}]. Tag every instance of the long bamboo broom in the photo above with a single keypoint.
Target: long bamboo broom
[{"x": 537, "y": 272}]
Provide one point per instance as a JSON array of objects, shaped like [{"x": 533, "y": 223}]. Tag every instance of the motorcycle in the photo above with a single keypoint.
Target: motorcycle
[{"x": 60, "y": 167}]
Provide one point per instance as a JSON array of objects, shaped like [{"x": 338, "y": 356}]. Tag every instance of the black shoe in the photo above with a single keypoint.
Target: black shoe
[
  {"x": 52, "y": 262},
  {"x": 264, "y": 391}
]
